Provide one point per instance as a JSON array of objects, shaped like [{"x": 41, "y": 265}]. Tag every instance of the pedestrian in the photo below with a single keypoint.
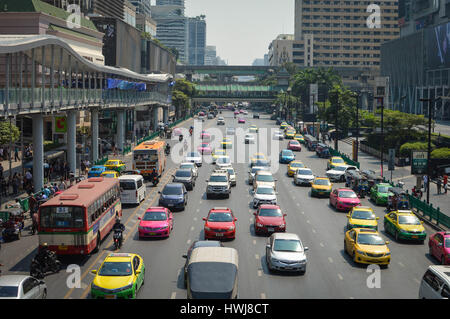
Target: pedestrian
[
  {"x": 15, "y": 184},
  {"x": 29, "y": 178},
  {"x": 16, "y": 154},
  {"x": 83, "y": 167},
  {"x": 4, "y": 187},
  {"x": 445, "y": 183},
  {"x": 425, "y": 182},
  {"x": 439, "y": 185},
  {"x": 1, "y": 170}
]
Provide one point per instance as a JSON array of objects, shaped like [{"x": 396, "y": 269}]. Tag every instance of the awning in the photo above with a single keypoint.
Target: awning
[{"x": 53, "y": 154}]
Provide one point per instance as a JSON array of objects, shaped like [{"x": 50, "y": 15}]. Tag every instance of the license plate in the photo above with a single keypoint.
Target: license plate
[
  {"x": 415, "y": 237},
  {"x": 219, "y": 235},
  {"x": 270, "y": 229},
  {"x": 62, "y": 247},
  {"x": 110, "y": 296},
  {"x": 152, "y": 234},
  {"x": 170, "y": 205}
]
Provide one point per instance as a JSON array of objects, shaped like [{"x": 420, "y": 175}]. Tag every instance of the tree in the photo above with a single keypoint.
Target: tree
[
  {"x": 183, "y": 91},
  {"x": 8, "y": 133}
]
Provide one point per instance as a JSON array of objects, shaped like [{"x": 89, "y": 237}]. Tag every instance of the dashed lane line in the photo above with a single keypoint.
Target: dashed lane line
[
  {"x": 340, "y": 277},
  {"x": 263, "y": 296},
  {"x": 173, "y": 295}
]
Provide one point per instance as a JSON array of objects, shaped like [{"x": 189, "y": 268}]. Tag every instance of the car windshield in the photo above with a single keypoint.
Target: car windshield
[
  {"x": 292, "y": 245},
  {"x": 294, "y": 142},
  {"x": 154, "y": 216},
  {"x": 187, "y": 166},
  {"x": 347, "y": 194},
  {"x": 183, "y": 173},
  {"x": 408, "y": 220},
  {"x": 224, "y": 160},
  {"x": 218, "y": 178},
  {"x": 338, "y": 160},
  {"x": 193, "y": 154},
  {"x": 112, "y": 163},
  {"x": 262, "y": 163},
  {"x": 128, "y": 185},
  {"x": 297, "y": 165},
  {"x": 230, "y": 171},
  {"x": 447, "y": 242},
  {"x": 363, "y": 214},
  {"x": 109, "y": 175},
  {"x": 287, "y": 153},
  {"x": 205, "y": 145},
  {"x": 270, "y": 212},
  {"x": 8, "y": 291},
  {"x": 265, "y": 191},
  {"x": 325, "y": 182},
  {"x": 370, "y": 239},
  {"x": 172, "y": 190},
  {"x": 340, "y": 168},
  {"x": 264, "y": 178},
  {"x": 258, "y": 156},
  {"x": 116, "y": 269},
  {"x": 304, "y": 172},
  {"x": 383, "y": 189},
  {"x": 220, "y": 217},
  {"x": 96, "y": 169}
]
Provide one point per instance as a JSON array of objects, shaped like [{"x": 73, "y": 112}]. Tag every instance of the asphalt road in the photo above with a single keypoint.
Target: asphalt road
[{"x": 330, "y": 272}]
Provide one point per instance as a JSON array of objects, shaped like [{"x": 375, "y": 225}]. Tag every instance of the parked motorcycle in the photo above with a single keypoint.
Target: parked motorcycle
[
  {"x": 117, "y": 238},
  {"x": 48, "y": 263}
]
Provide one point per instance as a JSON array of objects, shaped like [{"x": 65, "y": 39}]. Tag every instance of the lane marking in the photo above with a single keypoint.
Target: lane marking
[
  {"x": 173, "y": 295},
  {"x": 307, "y": 221},
  {"x": 400, "y": 263},
  {"x": 259, "y": 273},
  {"x": 340, "y": 277},
  {"x": 256, "y": 256},
  {"x": 192, "y": 228},
  {"x": 330, "y": 260},
  {"x": 254, "y": 242},
  {"x": 263, "y": 296},
  {"x": 416, "y": 280},
  {"x": 188, "y": 242},
  {"x": 321, "y": 245},
  {"x": 313, "y": 230}
]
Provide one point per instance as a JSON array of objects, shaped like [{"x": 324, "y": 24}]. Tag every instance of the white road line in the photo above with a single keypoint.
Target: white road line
[
  {"x": 308, "y": 221},
  {"x": 263, "y": 296},
  {"x": 313, "y": 230},
  {"x": 174, "y": 294},
  {"x": 400, "y": 263},
  {"x": 254, "y": 242},
  {"x": 188, "y": 242},
  {"x": 321, "y": 245},
  {"x": 330, "y": 260},
  {"x": 198, "y": 210},
  {"x": 340, "y": 277},
  {"x": 416, "y": 280},
  {"x": 256, "y": 256},
  {"x": 303, "y": 213},
  {"x": 195, "y": 219},
  {"x": 298, "y": 204},
  {"x": 192, "y": 228},
  {"x": 259, "y": 273}
]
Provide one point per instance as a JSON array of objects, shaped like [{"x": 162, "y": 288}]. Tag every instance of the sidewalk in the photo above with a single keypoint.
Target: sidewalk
[{"x": 402, "y": 174}]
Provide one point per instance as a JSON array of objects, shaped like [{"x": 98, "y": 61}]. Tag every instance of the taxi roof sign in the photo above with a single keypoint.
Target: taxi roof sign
[{"x": 119, "y": 255}]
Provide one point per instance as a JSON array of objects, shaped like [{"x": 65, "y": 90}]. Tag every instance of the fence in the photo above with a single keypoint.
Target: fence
[
  {"x": 345, "y": 157},
  {"x": 426, "y": 210}
]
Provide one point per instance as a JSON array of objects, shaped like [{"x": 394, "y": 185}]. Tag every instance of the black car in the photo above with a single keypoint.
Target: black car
[
  {"x": 174, "y": 195},
  {"x": 196, "y": 244},
  {"x": 186, "y": 177}
]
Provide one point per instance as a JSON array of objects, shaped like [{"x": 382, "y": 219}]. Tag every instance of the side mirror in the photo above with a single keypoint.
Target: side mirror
[
  {"x": 184, "y": 256},
  {"x": 138, "y": 272},
  {"x": 267, "y": 245},
  {"x": 204, "y": 218},
  {"x": 377, "y": 218},
  {"x": 235, "y": 219},
  {"x": 254, "y": 214},
  {"x": 348, "y": 216},
  {"x": 305, "y": 248},
  {"x": 284, "y": 215},
  {"x": 387, "y": 242},
  {"x": 139, "y": 218},
  {"x": 94, "y": 271}
]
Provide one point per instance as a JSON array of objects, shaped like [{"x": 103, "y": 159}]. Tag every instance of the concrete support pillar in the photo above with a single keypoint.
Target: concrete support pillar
[
  {"x": 120, "y": 129},
  {"x": 165, "y": 114},
  {"x": 71, "y": 140},
  {"x": 94, "y": 129},
  {"x": 155, "y": 118},
  {"x": 38, "y": 151}
]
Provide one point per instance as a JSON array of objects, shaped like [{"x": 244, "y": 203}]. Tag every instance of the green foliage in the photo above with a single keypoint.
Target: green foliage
[
  {"x": 301, "y": 80},
  {"x": 8, "y": 133},
  {"x": 405, "y": 149},
  {"x": 342, "y": 102},
  {"x": 185, "y": 86},
  {"x": 441, "y": 153}
]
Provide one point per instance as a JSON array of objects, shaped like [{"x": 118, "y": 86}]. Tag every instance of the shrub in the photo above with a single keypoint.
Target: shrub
[
  {"x": 405, "y": 149},
  {"x": 442, "y": 153}
]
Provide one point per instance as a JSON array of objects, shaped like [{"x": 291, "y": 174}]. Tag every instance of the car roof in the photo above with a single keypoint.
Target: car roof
[
  {"x": 285, "y": 236},
  {"x": 12, "y": 280},
  {"x": 119, "y": 257},
  {"x": 443, "y": 271},
  {"x": 362, "y": 208},
  {"x": 220, "y": 210},
  {"x": 187, "y": 163},
  {"x": 129, "y": 177},
  {"x": 214, "y": 254},
  {"x": 264, "y": 172},
  {"x": 269, "y": 206},
  {"x": 405, "y": 212},
  {"x": 366, "y": 230},
  {"x": 344, "y": 189},
  {"x": 322, "y": 178}
]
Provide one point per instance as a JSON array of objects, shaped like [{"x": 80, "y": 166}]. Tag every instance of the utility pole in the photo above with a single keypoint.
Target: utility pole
[
  {"x": 357, "y": 126},
  {"x": 336, "y": 144},
  {"x": 382, "y": 134}
]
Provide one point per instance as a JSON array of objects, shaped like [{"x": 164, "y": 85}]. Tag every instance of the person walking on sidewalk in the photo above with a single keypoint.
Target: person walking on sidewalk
[
  {"x": 439, "y": 184},
  {"x": 16, "y": 154},
  {"x": 425, "y": 182},
  {"x": 445, "y": 183},
  {"x": 1, "y": 171}
]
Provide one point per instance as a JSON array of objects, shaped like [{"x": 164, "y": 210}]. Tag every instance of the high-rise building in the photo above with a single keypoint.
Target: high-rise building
[
  {"x": 142, "y": 7},
  {"x": 129, "y": 13},
  {"x": 210, "y": 55},
  {"x": 280, "y": 50},
  {"x": 172, "y": 26},
  {"x": 197, "y": 40}
]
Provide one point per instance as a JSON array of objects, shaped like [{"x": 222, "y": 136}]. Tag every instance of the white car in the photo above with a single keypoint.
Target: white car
[
  {"x": 303, "y": 176},
  {"x": 22, "y": 287},
  {"x": 264, "y": 195},
  {"x": 194, "y": 157},
  {"x": 249, "y": 139},
  {"x": 190, "y": 165},
  {"x": 221, "y": 121},
  {"x": 285, "y": 252},
  {"x": 277, "y": 135},
  {"x": 337, "y": 174},
  {"x": 223, "y": 162},
  {"x": 232, "y": 175}
]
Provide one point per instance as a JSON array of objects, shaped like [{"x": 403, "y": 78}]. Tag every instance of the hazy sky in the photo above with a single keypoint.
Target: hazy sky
[{"x": 243, "y": 29}]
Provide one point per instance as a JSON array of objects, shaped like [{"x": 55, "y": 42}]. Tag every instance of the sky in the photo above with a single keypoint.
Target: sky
[{"x": 243, "y": 29}]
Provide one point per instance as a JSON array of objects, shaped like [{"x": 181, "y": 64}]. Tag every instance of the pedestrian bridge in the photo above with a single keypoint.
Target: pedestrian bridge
[{"x": 235, "y": 92}]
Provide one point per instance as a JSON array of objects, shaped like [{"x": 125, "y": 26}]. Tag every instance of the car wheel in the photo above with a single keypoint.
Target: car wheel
[
  {"x": 430, "y": 251},
  {"x": 384, "y": 266}
]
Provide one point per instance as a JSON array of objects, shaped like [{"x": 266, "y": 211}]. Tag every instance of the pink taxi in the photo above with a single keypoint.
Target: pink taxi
[
  {"x": 344, "y": 199},
  {"x": 439, "y": 245},
  {"x": 205, "y": 148},
  {"x": 156, "y": 222}
]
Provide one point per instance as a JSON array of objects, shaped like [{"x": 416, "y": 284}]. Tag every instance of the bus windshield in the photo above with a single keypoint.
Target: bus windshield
[{"x": 62, "y": 217}]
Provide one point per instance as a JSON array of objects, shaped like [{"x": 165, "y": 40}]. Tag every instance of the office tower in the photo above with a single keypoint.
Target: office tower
[{"x": 197, "y": 40}]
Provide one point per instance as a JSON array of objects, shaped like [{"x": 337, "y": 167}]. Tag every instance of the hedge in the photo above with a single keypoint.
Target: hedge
[
  {"x": 405, "y": 149},
  {"x": 441, "y": 153}
]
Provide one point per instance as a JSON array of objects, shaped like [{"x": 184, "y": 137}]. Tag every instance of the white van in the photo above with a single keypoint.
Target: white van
[
  {"x": 435, "y": 283},
  {"x": 132, "y": 189}
]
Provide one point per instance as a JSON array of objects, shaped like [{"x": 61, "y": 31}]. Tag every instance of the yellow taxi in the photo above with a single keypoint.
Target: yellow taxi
[
  {"x": 283, "y": 125},
  {"x": 362, "y": 217},
  {"x": 115, "y": 165},
  {"x": 321, "y": 186},
  {"x": 335, "y": 161},
  {"x": 366, "y": 246},
  {"x": 293, "y": 167},
  {"x": 120, "y": 275},
  {"x": 110, "y": 174},
  {"x": 404, "y": 224},
  {"x": 300, "y": 138},
  {"x": 218, "y": 153},
  {"x": 290, "y": 134},
  {"x": 226, "y": 143},
  {"x": 257, "y": 156},
  {"x": 253, "y": 129}
]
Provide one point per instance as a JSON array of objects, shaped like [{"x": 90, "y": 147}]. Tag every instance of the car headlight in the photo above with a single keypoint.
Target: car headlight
[
  {"x": 124, "y": 288},
  {"x": 404, "y": 231},
  {"x": 231, "y": 228},
  {"x": 165, "y": 227},
  {"x": 361, "y": 252},
  {"x": 387, "y": 254},
  {"x": 95, "y": 287},
  {"x": 282, "y": 225},
  {"x": 274, "y": 260}
]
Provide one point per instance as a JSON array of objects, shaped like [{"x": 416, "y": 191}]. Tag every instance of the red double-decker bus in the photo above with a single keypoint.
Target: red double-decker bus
[{"x": 76, "y": 221}]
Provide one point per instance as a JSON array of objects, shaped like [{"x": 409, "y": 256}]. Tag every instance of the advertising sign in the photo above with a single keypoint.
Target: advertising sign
[
  {"x": 418, "y": 163},
  {"x": 60, "y": 124}
]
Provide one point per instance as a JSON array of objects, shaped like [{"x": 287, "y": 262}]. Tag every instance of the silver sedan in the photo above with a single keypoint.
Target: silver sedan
[
  {"x": 285, "y": 252},
  {"x": 22, "y": 287}
]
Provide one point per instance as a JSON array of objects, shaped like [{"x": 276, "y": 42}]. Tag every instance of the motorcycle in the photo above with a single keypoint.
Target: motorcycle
[
  {"x": 167, "y": 151},
  {"x": 50, "y": 264},
  {"x": 155, "y": 180},
  {"x": 12, "y": 231},
  {"x": 117, "y": 239}
]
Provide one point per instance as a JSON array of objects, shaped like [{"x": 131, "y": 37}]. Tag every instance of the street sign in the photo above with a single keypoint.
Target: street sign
[
  {"x": 391, "y": 160},
  {"x": 60, "y": 124},
  {"x": 418, "y": 163}
]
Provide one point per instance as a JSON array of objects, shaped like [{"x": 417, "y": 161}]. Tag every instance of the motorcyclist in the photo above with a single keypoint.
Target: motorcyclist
[
  {"x": 153, "y": 175},
  {"x": 119, "y": 227},
  {"x": 191, "y": 129},
  {"x": 181, "y": 137},
  {"x": 167, "y": 149},
  {"x": 44, "y": 254}
]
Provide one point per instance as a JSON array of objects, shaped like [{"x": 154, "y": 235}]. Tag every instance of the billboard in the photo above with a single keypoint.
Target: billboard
[{"x": 437, "y": 40}]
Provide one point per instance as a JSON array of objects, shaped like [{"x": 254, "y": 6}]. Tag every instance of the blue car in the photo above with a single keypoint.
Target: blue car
[
  {"x": 286, "y": 156},
  {"x": 96, "y": 171},
  {"x": 174, "y": 195}
]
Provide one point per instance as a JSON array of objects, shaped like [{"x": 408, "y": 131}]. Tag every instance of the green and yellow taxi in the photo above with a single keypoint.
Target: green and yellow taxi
[
  {"x": 256, "y": 157},
  {"x": 335, "y": 161},
  {"x": 226, "y": 143},
  {"x": 283, "y": 125},
  {"x": 218, "y": 153},
  {"x": 300, "y": 138},
  {"x": 293, "y": 167},
  {"x": 289, "y": 134},
  {"x": 120, "y": 275},
  {"x": 253, "y": 129},
  {"x": 404, "y": 224},
  {"x": 115, "y": 165},
  {"x": 321, "y": 186},
  {"x": 362, "y": 217},
  {"x": 366, "y": 246},
  {"x": 110, "y": 174},
  {"x": 380, "y": 193}
]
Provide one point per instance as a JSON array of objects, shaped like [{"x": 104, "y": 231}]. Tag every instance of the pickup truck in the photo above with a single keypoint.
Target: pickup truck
[{"x": 218, "y": 184}]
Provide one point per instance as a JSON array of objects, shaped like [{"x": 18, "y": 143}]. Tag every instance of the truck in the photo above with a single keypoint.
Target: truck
[{"x": 218, "y": 184}]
